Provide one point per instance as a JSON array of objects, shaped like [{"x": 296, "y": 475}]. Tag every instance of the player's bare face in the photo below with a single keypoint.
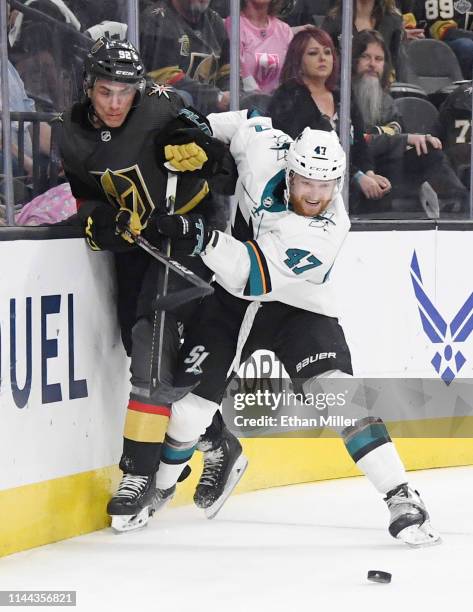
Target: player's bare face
[
  {"x": 371, "y": 61},
  {"x": 317, "y": 61},
  {"x": 310, "y": 197},
  {"x": 112, "y": 101}
]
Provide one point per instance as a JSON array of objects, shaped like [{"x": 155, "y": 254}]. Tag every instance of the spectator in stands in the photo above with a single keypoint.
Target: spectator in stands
[
  {"x": 19, "y": 102},
  {"x": 450, "y": 22},
  {"x": 222, "y": 7},
  {"x": 91, "y": 12},
  {"x": 454, "y": 129},
  {"x": 411, "y": 27},
  {"x": 408, "y": 160},
  {"x": 184, "y": 44},
  {"x": 308, "y": 96},
  {"x": 42, "y": 50},
  {"x": 263, "y": 44},
  {"x": 300, "y": 12},
  {"x": 52, "y": 206},
  {"x": 22, "y": 160},
  {"x": 380, "y": 15}
]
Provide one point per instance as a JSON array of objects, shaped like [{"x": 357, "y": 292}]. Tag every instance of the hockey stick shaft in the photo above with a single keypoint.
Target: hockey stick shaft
[
  {"x": 172, "y": 264},
  {"x": 163, "y": 300}
]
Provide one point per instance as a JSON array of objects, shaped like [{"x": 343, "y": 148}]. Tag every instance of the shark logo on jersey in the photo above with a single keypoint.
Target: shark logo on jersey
[
  {"x": 447, "y": 361},
  {"x": 283, "y": 142},
  {"x": 322, "y": 221}
]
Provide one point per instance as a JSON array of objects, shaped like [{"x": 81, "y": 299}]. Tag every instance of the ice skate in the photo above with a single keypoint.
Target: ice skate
[
  {"x": 409, "y": 518},
  {"x": 224, "y": 465},
  {"x": 135, "y": 501}
]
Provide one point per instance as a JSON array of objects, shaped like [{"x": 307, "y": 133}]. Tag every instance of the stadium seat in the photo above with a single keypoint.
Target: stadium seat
[
  {"x": 404, "y": 90},
  {"x": 418, "y": 115},
  {"x": 432, "y": 64}
]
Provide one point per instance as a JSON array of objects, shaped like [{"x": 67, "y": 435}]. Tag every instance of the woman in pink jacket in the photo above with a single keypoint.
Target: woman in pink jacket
[{"x": 264, "y": 40}]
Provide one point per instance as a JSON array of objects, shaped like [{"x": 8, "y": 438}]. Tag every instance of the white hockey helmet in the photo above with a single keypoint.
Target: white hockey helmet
[{"x": 316, "y": 154}]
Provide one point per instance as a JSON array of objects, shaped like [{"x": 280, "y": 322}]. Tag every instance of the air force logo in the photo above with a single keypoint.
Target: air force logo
[{"x": 447, "y": 361}]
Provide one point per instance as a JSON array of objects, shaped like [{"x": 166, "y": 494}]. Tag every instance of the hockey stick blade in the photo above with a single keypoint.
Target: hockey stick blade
[{"x": 176, "y": 299}]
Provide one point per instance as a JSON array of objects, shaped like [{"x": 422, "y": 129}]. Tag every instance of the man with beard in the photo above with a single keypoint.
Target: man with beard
[
  {"x": 273, "y": 292},
  {"x": 182, "y": 43},
  {"x": 412, "y": 162}
]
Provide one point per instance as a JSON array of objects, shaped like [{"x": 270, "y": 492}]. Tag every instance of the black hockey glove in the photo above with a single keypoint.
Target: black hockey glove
[
  {"x": 100, "y": 231},
  {"x": 189, "y": 233},
  {"x": 192, "y": 150}
]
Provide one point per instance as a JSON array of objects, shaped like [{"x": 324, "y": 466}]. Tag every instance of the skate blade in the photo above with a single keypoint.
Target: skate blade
[
  {"x": 123, "y": 523},
  {"x": 420, "y": 536},
  {"x": 235, "y": 476},
  {"x": 134, "y": 522},
  {"x": 161, "y": 504}
]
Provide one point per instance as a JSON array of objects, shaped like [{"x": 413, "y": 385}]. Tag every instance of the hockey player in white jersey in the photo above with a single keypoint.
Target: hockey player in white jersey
[{"x": 273, "y": 292}]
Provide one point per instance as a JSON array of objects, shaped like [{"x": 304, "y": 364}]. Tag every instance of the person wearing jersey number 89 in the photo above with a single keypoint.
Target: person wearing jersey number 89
[{"x": 451, "y": 22}]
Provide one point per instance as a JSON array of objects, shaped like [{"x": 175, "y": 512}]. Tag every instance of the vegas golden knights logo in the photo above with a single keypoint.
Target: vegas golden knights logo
[{"x": 127, "y": 189}]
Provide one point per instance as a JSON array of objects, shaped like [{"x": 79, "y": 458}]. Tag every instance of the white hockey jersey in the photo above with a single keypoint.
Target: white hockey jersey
[{"x": 287, "y": 257}]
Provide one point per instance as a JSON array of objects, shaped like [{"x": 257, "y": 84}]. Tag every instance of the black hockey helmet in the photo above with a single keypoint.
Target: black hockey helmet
[{"x": 114, "y": 60}]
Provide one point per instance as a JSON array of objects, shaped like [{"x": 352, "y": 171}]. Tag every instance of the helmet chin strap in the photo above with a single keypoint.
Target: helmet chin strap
[{"x": 93, "y": 117}]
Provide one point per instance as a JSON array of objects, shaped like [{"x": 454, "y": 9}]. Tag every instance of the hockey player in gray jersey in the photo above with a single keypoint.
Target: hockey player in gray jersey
[{"x": 273, "y": 292}]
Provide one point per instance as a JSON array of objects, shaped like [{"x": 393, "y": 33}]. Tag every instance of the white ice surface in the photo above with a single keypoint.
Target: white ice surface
[{"x": 303, "y": 547}]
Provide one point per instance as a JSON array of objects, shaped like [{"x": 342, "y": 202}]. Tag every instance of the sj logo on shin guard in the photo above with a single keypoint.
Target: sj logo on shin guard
[{"x": 195, "y": 359}]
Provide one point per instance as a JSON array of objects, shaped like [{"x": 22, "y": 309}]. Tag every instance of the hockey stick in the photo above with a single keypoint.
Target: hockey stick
[
  {"x": 164, "y": 301},
  {"x": 155, "y": 366},
  {"x": 168, "y": 393}
]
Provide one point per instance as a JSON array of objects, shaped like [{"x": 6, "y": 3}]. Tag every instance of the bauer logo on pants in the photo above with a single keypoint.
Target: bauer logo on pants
[
  {"x": 447, "y": 360},
  {"x": 313, "y": 359},
  {"x": 196, "y": 357}
]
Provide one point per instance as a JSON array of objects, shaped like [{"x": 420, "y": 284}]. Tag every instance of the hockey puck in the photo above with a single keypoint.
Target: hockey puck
[{"x": 378, "y": 576}]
